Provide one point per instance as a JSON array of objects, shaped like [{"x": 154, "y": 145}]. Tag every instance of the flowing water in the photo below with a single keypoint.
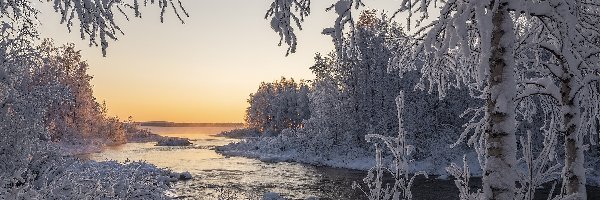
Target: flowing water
[
  {"x": 221, "y": 177},
  {"x": 217, "y": 176}
]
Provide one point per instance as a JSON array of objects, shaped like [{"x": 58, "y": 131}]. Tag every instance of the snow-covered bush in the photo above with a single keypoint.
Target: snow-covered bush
[
  {"x": 79, "y": 118},
  {"x": 49, "y": 176},
  {"x": 540, "y": 169},
  {"x": 278, "y": 105},
  {"x": 462, "y": 177},
  {"x": 399, "y": 167},
  {"x": 475, "y": 45}
]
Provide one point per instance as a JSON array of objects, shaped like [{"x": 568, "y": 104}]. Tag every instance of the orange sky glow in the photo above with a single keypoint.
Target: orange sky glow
[{"x": 200, "y": 71}]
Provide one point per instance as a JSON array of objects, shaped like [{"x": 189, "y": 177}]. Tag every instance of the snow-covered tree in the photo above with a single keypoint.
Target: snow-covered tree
[
  {"x": 31, "y": 165},
  {"x": 22, "y": 105},
  {"x": 80, "y": 117},
  {"x": 565, "y": 55},
  {"x": 472, "y": 44},
  {"x": 45, "y": 92},
  {"x": 279, "y": 105}
]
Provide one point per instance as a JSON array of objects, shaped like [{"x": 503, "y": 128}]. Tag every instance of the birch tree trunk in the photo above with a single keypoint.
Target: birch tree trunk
[
  {"x": 573, "y": 171},
  {"x": 499, "y": 171}
]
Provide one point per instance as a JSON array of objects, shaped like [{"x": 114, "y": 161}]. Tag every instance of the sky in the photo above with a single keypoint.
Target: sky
[{"x": 200, "y": 71}]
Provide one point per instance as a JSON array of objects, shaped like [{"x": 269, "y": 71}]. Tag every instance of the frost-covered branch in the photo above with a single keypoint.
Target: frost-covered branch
[
  {"x": 285, "y": 15},
  {"x": 399, "y": 169},
  {"x": 462, "y": 181},
  {"x": 540, "y": 169},
  {"x": 97, "y": 19}
]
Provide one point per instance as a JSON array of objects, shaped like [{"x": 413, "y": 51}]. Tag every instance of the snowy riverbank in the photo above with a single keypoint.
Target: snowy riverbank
[
  {"x": 55, "y": 176},
  {"x": 284, "y": 148},
  {"x": 61, "y": 171}
]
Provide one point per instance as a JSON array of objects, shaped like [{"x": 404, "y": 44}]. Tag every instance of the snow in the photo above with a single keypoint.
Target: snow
[
  {"x": 75, "y": 149},
  {"x": 474, "y": 45},
  {"x": 68, "y": 178},
  {"x": 283, "y": 148},
  {"x": 255, "y": 148}
]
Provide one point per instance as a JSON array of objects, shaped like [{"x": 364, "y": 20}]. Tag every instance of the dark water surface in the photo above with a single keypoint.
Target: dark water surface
[{"x": 217, "y": 176}]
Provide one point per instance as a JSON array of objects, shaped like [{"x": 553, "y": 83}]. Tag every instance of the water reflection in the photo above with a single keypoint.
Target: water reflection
[{"x": 240, "y": 178}]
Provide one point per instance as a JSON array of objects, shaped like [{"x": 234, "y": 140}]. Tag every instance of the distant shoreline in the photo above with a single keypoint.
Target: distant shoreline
[{"x": 178, "y": 124}]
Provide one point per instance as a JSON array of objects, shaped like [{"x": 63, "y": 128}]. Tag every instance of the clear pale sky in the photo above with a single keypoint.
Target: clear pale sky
[{"x": 200, "y": 71}]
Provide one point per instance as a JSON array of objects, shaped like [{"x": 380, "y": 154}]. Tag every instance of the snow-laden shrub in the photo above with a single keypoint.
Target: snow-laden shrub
[
  {"x": 78, "y": 118},
  {"x": 278, "y": 105},
  {"x": 539, "y": 169},
  {"x": 399, "y": 167},
  {"x": 54, "y": 177},
  {"x": 462, "y": 177}
]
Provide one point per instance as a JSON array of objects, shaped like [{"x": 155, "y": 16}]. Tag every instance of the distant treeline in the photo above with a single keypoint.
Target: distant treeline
[{"x": 175, "y": 124}]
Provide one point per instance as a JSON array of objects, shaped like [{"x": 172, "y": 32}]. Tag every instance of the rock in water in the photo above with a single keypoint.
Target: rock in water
[
  {"x": 174, "y": 141},
  {"x": 185, "y": 176}
]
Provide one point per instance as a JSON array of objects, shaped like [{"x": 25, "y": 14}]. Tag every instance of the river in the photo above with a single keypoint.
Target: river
[
  {"x": 216, "y": 175},
  {"x": 222, "y": 177}
]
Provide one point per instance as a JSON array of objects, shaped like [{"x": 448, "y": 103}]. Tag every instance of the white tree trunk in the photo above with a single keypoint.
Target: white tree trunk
[
  {"x": 499, "y": 171},
  {"x": 573, "y": 171}
]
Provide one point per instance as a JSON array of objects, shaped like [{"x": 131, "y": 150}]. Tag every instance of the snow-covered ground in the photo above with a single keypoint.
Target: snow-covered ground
[
  {"x": 72, "y": 178},
  {"x": 285, "y": 149},
  {"x": 56, "y": 171},
  {"x": 360, "y": 160}
]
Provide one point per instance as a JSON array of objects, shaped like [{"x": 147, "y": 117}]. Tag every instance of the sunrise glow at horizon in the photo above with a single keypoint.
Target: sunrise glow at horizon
[{"x": 200, "y": 71}]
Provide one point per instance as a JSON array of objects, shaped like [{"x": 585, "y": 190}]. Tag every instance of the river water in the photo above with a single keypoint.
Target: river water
[
  {"x": 217, "y": 176},
  {"x": 221, "y": 177}
]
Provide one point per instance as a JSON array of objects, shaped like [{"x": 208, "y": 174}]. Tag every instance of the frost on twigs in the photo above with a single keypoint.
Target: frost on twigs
[
  {"x": 541, "y": 169},
  {"x": 399, "y": 169},
  {"x": 462, "y": 181},
  {"x": 285, "y": 15},
  {"x": 96, "y": 19},
  {"x": 343, "y": 10},
  {"x": 562, "y": 55}
]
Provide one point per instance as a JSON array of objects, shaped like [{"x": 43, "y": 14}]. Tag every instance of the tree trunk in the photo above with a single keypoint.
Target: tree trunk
[
  {"x": 500, "y": 141},
  {"x": 573, "y": 171}
]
